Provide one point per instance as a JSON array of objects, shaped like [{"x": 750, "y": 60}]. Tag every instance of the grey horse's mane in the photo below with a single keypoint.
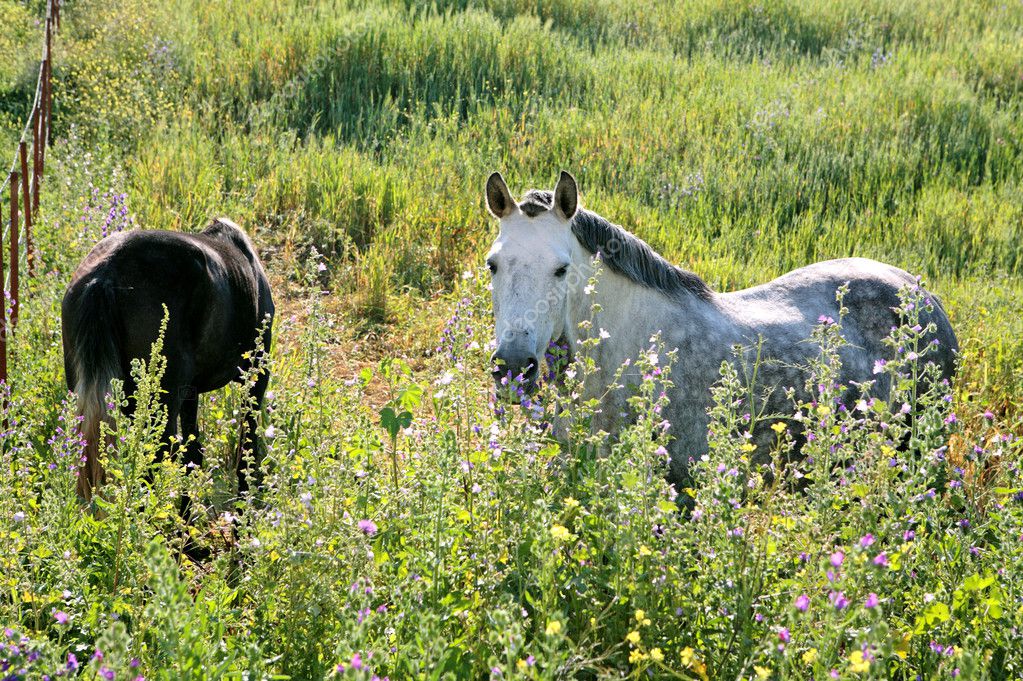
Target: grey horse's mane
[{"x": 621, "y": 251}]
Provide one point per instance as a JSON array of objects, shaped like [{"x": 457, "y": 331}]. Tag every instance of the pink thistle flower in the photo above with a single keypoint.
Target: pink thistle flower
[{"x": 839, "y": 600}]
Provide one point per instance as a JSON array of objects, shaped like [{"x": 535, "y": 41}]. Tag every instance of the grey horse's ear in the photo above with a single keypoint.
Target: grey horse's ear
[
  {"x": 499, "y": 200},
  {"x": 566, "y": 196}
]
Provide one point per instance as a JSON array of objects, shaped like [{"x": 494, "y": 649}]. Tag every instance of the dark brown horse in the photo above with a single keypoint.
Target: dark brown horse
[{"x": 217, "y": 297}]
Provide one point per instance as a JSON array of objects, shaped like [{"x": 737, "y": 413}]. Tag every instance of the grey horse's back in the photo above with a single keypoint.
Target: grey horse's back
[
  {"x": 776, "y": 321},
  {"x": 875, "y": 299},
  {"x": 786, "y": 308}
]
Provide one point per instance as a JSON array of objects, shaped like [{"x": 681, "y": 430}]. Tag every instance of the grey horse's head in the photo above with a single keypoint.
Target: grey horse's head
[{"x": 531, "y": 266}]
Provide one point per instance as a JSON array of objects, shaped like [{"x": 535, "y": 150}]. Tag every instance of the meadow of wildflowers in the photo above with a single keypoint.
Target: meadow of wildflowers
[{"x": 412, "y": 526}]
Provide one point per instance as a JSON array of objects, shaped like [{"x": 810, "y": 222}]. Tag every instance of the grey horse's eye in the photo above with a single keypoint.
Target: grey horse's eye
[
  {"x": 492, "y": 266},
  {"x": 561, "y": 271}
]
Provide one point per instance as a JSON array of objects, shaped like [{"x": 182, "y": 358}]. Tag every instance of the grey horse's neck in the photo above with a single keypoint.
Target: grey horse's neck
[{"x": 631, "y": 315}]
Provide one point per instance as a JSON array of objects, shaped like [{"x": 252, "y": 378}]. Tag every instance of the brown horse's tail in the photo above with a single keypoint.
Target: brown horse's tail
[{"x": 89, "y": 319}]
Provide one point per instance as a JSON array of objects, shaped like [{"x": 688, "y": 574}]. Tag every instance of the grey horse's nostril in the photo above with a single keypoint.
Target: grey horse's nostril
[
  {"x": 499, "y": 367},
  {"x": 525, "y": 369},
  {"x": 531, "y": 368}
]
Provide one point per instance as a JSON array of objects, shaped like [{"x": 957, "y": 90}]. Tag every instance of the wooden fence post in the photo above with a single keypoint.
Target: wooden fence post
[
  {"x": 13, "y": 243},
  {"x": 27, "y": 203}
]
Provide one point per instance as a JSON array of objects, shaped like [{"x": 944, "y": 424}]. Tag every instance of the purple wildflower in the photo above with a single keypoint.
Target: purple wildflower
[{"x": 838, "y": 599}]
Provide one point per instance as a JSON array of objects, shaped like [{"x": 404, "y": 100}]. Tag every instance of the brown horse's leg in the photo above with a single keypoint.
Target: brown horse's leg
[
  {"x": 191, "y": 458},
  {"x": 190, "y": 428},
  {"x": 250, "y": 443}
]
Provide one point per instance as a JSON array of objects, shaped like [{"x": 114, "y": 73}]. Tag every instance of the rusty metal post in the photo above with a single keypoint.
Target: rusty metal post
[
  {"x": 13, "y": 243},
  {"x": 37, "y": 169},
  {"x": 44, "y": 112},
  {"x": 3, "y": 317},
  {"x": 27, "y": 203}
]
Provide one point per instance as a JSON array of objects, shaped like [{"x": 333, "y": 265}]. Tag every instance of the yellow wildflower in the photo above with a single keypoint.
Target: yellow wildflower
[
  {"x": 810, "y": 656},
  {"x": 687, "y": 656},
  {"x": 644, "y": 551},
  {"x": 656, "y": 655},
  {"x": 561, "y": 533},
  {"x": 762, "y": 672},
  {"x": 779, "y": 427},
  {"x": 571, "y": 503},
  {"x": 857, "y": 663},
  {"x": 748, "y": 447},
  {"x": 633, "y": 637},
  {"x": 636, "y": 656},
  {"x": 553, "y": 627},
  {"x": 902, "y": 646}
]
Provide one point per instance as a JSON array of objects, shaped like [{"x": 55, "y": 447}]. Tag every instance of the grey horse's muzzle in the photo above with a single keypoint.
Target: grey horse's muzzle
[{"x": 514, "y": 371}]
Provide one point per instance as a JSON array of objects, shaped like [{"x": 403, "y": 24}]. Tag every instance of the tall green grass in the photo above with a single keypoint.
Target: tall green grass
[
  {"x": 741, "y": 140},
  {"x": 21, "y": 46}
]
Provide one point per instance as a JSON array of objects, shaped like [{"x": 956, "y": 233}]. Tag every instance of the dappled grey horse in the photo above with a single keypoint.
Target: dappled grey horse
[{"x": 544, "y": 256}]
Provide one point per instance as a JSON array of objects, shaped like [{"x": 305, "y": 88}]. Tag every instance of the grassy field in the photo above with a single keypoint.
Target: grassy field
[{"x": 352, "y": 139}]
